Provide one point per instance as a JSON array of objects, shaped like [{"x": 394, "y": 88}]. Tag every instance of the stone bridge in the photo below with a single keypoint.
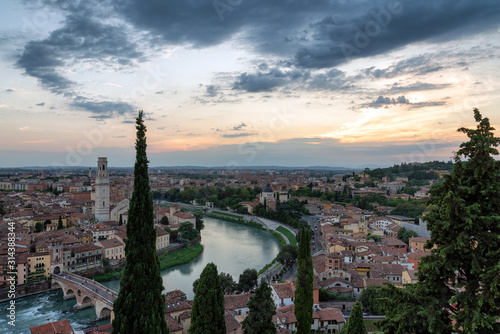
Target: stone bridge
[{"x": 87, "y": 292}]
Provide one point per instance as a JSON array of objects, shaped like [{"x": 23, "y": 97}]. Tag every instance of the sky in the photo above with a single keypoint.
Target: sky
[{"x": 348, "y": 83}]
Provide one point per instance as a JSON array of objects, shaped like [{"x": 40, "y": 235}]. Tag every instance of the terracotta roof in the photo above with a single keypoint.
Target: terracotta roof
[
  {"x": 232, "y": 302},
  {"x": 176, "y": 305},
  {"x": 56, "y": 327},
  {"x": 174, "y": 294},
  {"x": 172, "y": 324},
  {"x": 284, "y": 290},
  {"x": 330, "y": 314},
  {"x": 232, "y": 325},
  {"x": 419, "y": 239},
  {"x": 109, "y": 243}
]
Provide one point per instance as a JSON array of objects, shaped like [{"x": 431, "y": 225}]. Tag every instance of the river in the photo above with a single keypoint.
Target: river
[{"x": 232, "y": 247}]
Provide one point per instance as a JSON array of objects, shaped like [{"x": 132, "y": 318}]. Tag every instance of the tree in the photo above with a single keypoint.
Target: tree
[
  {"x": 304, "y": 288},
  {"x": 140, "y": 306},
  {"x": 355, "y": 325},
  {"x": 38, "y": 227},
  {"x": 261, "y": 310},
  {"x": 200, "y": 224},
  {"x": 404, "y": 235},
  {"x": 287, "y": 254},
  {"x": 248, "y": 279},
  {"x": 207, "y": 313},
  {"x": 60, "y": 223},
  {"x": 120, "y": 221},
  {"x": 226, "y": 281},
  {"x": 461, "y": 277},
  {"x": 187, "y": 231},
  {"x": 164, "y": 220},
  {"x": 371, "y": 299}
]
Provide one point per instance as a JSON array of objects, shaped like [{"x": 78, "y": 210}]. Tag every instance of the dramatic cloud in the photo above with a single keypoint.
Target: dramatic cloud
[
  {"x": 239, "y": 126},
  {"x": 103, "y": 109},
  {"x": 385, "y": 101},
  {"x": 41, "y": 104}
]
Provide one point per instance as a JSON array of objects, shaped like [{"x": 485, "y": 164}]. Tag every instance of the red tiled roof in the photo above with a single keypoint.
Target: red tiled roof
[{"x": 56, "y": 327}]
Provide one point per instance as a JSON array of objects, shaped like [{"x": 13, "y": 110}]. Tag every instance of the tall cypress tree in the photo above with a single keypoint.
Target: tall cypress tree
[
  {"x": 304, "y": 287},
  {"x": 60, "y": 224},
  {"x": 207, "y": 313},
  {"x": 120, "y": 221},
  {"x": 355, "y": 325},
  {"x": 260, "y": 317},
  {"x": 140, "y": 306}
]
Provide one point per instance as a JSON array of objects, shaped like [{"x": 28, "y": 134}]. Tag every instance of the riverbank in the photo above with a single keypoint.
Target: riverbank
[
  {"x": 167, "y": 261},
  {"x": 240, "y": 220}
]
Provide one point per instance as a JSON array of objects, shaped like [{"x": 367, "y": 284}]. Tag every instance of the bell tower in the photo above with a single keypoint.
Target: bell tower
[{"x": 102, "y": 190}]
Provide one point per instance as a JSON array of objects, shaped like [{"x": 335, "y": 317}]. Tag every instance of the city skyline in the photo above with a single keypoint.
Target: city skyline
[{"x": 237, "y": 83}]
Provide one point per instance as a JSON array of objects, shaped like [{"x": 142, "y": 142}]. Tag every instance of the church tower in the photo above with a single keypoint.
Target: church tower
[{"x": 102, "y": 190}]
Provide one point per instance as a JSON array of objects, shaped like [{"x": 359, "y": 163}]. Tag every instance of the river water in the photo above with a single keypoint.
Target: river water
[{"x": 232, "y": 247}]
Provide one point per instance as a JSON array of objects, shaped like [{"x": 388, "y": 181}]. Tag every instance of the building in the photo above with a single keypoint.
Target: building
[
  {"x": 162, "y": 239},
  {"x": 38, "y": 265},
  {"x": 114, "y": 249},
  {"x": 283, "y": 294},
  {"x": 102, "y": 190},
  {"x": 56, "y": 327}
]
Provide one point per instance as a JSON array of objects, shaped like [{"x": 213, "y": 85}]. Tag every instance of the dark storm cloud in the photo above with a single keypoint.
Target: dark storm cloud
[
  {"x": 82, "y": 39},
  {"x": 382, "y": 26},
  {"x": 41, "y": 104},
  {"x": 102, "y": 109}
]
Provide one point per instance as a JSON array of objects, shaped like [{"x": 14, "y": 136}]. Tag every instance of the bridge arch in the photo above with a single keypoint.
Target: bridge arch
[
  {"x": 69, "y": 293},
  {"x": 105, "y": 313}
]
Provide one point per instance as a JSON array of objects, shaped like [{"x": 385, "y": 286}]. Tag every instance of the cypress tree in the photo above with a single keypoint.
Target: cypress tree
[
  {"x": 60, "y": 224},
  {"x": 355, "y": 325},
  {"x": 120, "y": 221},
  {"x": 260, "y": 317},
  {"x": 304, "y": 287},
  {"x": 459, "y": 283},
  {"x": 207, "y": 313},
  {"x": 140, "y": 306}
]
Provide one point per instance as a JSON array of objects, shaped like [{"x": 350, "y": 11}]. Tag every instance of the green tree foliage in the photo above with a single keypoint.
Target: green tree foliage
[
  {"x": 409, "y": 209},
  {"x": 60, "y": 223},
  {"x": 371, "y": 298},
  {"x": 261, "y": 310},
  {"x": 248, "y": 279},
  {"x": 164, "y": 220},
  {"x": 375, "y": 238},
  {"x": 462, "y": 275},
  {"x": 120, "y": 221},
  {"x": 404, "y": 235},
  {"x": 200, "y": 224},
  {"x": 187, "y": 231},
  {"x": 38, "y": 227},
  {"x": 226, "y": 280},
  {"x": 304, "y": 286},
  {"x": 288, "y": 213},
  {"x": 140, "y": 306},
  {"x": 287, "y": 254},
  {"x": 408, "y": 310},
  {"x": 355, "y": 325},
  {"x": 207, "y": 314}
]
